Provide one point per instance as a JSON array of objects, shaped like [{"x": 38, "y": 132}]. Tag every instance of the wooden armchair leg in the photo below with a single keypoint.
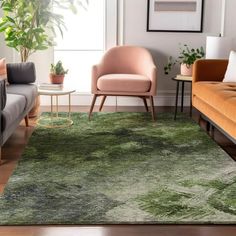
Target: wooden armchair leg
[
  {"x": 27, "y": 120},
  {"x": 145, "y": 103},
  {"x": 152, "y": 108},
  {"x": 92, "y": 105},
  {"x": 102, "y": 102}
]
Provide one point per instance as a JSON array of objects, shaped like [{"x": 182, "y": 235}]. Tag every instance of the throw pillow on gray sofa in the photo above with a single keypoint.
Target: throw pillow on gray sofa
[{"x": 21, "y": 73}]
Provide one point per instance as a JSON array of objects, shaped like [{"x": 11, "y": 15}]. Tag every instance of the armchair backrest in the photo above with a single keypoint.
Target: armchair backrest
[{"x": 126, "y": 60}]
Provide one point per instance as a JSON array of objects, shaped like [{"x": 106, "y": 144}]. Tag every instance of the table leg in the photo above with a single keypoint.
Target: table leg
[
  {"x": 176, "y": 99},
  {"x": 69, "y": 105},
  {"x": 182, "y": 97},
  {"x": 191, "y": 100},
  {"x": 57, "y": 105},
  {"x": 51, "y": 106}
]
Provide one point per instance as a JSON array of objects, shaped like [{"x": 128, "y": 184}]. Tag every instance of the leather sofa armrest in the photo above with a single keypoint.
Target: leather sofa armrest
[
  {"x": 209, "y": 70},
  {"x": 21, "y": 73}
]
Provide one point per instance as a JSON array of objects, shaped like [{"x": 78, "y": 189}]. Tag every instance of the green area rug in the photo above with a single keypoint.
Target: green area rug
[{"x": 121, "y": 168}]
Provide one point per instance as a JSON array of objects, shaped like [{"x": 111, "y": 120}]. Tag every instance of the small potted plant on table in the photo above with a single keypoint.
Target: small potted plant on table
[
  {"x": 186, "y": 59},
  {"x": 57, "y": 73}
]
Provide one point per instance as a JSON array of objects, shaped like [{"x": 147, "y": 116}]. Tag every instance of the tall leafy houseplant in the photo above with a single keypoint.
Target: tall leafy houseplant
[{"x": 29, "y": 25}]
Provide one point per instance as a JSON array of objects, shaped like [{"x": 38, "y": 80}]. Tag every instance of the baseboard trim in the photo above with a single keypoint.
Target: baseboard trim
[{"x": 80, "y": 99}]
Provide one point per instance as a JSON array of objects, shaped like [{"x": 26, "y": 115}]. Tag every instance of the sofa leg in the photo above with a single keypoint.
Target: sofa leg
[
  {"x": 102, "y": 102},
  {"x": 212, "y": 132},
  {"x": 27, "y": 120},
  {"x": 199, "y": 119},
  {"x": 152, "y": 108},
  {"x": 92, "y": 105},
  {"x": 208, "y": 126}
]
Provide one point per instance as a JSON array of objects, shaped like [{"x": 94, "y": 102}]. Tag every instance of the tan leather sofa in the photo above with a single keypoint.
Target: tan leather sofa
[{"x": 213, "y": 98}]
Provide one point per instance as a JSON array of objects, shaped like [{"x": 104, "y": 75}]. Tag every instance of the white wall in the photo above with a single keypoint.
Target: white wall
[
  {"x": 5, "y": 51},
  {"x": 163, "y": 44},
  {"x": 160, "y": 44},
  {"x": 230, "y": 20}
]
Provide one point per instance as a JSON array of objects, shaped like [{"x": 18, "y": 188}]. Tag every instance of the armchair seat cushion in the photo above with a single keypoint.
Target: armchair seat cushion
[{"x": 124, "y": 83}]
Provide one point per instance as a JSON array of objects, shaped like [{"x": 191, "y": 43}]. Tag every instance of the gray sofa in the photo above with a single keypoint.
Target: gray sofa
[{"x": 17, "y": 98}]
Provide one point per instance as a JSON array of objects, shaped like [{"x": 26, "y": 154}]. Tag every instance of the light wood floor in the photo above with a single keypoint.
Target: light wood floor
[{"x": 11, "y": 154}]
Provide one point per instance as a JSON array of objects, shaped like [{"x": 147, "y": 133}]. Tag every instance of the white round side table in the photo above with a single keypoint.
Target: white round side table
[{"x": 54, "y": 120}]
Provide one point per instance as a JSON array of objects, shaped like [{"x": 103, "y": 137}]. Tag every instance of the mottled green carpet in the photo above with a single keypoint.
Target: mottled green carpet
[{"x": 121, "y": 168}]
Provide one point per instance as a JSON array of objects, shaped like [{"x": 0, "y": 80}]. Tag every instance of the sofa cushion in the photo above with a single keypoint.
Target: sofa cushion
[
  {"x": 29, "y": 91},
  {"x": 124, "y": 83},
  {"x": 230, "y": 74},
  {"x": 21, "y": 73},
  {"x": 219, "y": 95},
  {"x": 15, "y": 106}
]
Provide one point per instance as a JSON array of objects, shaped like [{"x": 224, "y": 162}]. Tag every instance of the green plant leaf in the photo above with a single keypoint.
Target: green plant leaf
[{"x": 10, "y": 19}]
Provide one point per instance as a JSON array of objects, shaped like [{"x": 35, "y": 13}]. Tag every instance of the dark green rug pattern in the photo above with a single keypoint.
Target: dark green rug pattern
[{"x": 121, "y": 168}]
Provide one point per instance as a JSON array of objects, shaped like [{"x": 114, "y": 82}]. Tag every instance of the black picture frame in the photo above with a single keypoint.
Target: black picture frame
[{"x": 199, "y": 30}]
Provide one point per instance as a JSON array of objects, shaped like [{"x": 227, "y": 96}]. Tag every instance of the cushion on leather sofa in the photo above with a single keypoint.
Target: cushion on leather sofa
[
  {"x": 21, "y": 73},
  {"x": 230, "y": 74},
  {"x": 219, "y": 95},
  {"x": 15, "y": 106},
  {"x": 29, "y": 91}
]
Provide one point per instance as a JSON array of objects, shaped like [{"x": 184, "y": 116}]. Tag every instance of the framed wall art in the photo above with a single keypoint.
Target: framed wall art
[{"x": 175, "y": 15}]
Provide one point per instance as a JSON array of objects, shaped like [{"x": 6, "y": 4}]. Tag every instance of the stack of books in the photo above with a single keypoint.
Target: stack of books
[{"x": 47, "y": 86}]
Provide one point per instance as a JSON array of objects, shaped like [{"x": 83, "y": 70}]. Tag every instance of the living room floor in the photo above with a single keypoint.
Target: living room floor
[{"x": 14, "y": 147}]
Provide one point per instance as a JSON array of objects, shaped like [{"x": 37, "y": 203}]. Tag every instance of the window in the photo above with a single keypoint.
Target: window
[{"x": 84, "y": 42}]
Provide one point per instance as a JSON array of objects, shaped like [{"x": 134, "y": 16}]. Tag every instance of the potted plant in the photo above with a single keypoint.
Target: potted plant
[
  {"x": 29, "y": 26},
  {"x": 186, "y": 59},
  {"x": 57, "y": 73}
]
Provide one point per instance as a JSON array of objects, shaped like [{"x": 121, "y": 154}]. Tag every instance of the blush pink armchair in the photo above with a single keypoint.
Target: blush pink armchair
[{"x": 125, "y": 71}]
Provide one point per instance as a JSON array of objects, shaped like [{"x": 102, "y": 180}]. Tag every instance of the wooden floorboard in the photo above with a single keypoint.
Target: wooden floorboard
[
  {"x": 11, "y": 153},
  {"x": 135, "y": 230}
]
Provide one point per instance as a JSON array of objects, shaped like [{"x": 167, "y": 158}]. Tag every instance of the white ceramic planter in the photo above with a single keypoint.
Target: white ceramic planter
[{"x": 186, "y": 70}]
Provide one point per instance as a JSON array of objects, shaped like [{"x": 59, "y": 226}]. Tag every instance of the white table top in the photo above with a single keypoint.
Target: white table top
[
  {"x": 183, "y": 78},
  {"x": 63, "y": 91}
]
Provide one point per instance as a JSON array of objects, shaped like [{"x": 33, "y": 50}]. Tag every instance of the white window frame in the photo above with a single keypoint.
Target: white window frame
[
  {"x": 112, "y": 39},
  {"x": 109, "y": 34}
]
